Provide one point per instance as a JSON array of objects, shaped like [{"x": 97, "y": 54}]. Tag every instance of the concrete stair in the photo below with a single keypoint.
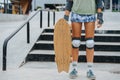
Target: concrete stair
[{"x": 107, "y": 47}]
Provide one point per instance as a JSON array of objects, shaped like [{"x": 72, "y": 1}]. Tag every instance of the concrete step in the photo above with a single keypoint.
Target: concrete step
[
  {"x": 99, "y": 46},
  {"x": 107, "y": 45},
  {"x": 105, "y": 40},
  {"x": 99, "y": 56},
  {"x": 83, "y": 34},
  {"x": 51, "y": 30},
  {"x": 98, "y": 37},
  {"x": 82, "y": 43},
  {"x": 97, "y": 53}
]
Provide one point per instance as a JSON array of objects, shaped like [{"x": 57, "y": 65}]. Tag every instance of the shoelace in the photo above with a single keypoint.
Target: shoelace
[
  {"x": 91, "y": 73},
  {"x": 74, "y": 71}
]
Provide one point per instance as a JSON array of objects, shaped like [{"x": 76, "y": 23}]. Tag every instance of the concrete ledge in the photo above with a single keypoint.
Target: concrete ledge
[{"x": 12, "y": 17}]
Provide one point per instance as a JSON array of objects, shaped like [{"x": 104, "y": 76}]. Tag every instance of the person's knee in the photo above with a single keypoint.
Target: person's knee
[
  {"x": 90, "y": 43},
  {"x": 76, "y": 42}
]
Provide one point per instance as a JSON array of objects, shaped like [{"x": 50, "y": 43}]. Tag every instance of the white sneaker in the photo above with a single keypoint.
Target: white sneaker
[
  {"x": 91, "y": 75},
  {"x": 73, "y": 74}
]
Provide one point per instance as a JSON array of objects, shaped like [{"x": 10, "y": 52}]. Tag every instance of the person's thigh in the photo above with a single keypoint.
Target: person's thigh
[
  {"x": 76, "y": 29},
  {"x": 89, "y": 29}
]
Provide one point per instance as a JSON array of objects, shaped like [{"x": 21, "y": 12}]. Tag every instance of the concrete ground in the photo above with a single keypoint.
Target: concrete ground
[{"x": 48, "y": 71}]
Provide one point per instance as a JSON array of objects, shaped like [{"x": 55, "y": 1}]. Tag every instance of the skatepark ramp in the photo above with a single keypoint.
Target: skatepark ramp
[{"x": 16, "y": 37}]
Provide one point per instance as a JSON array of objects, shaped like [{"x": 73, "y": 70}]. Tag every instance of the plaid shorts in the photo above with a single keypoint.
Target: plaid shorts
[{"x": 82, "y": 18}]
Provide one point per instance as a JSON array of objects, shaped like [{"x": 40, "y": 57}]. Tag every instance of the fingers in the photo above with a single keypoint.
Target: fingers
[
  {"x": 97, "y": 24},
  {"x": 67, "y": 12}
]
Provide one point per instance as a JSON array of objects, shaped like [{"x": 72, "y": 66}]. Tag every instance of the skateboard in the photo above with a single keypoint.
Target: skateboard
[{"x": 62, "y": 45}]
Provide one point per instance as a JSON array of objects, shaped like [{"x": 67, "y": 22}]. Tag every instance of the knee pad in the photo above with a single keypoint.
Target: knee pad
[
  {"x": 76, "y": 42},
  {"x": 90, "y": 43}
]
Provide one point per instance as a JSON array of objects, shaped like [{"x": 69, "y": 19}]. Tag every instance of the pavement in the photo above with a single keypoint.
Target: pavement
[
  {"x": 18, "y": 49},
  {"x": 48, "y": 71}
]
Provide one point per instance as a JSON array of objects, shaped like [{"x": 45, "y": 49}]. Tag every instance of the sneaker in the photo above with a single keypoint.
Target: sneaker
[
  {"x": 91, "y": 75},
  {"x": 73, "y": 74}
]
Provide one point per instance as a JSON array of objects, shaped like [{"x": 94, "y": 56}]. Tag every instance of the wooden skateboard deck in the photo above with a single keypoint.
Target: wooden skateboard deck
[{"x": 62, "y": 45}]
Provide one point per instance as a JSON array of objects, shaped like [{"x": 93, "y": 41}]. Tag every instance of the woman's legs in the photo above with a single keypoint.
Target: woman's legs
[
  {"x": 89, "y": 31},
  {"x": 76, "y": 33}
]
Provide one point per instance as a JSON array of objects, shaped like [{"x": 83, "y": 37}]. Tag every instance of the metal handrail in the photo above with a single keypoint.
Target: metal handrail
[{"x": 13, "y": 34}]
